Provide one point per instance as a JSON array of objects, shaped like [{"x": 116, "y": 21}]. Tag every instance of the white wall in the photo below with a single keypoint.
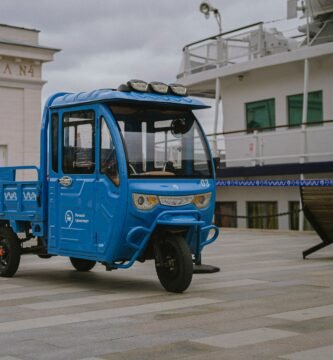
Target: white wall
[
  {"x": 11, "y": 118},
  {"x": 244, "y": 194},
  {"x": 20, "y": 95},
  {"x": 277, "y": 82}
]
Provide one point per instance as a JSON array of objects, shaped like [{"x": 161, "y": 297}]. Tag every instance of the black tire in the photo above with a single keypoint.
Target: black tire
[
  {"x": 45, "y": 256},
  {"x": 174, "y": 264},
  {"x": 82, "y": 264},
  {"x": 10, "y": 252}
]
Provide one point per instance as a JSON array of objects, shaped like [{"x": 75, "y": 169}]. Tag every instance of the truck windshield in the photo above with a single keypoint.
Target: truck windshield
[{"x": 162, "y": 142}]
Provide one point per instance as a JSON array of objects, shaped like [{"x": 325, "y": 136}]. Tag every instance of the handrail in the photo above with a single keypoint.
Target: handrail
[
  {"x": 250, "y": 131},
  {"x": 215, "y": 37},
  {"x": 259, "y": 148}
]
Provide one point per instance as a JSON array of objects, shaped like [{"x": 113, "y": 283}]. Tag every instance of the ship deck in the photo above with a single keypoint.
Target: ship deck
[{"x": 265, "y": 303}]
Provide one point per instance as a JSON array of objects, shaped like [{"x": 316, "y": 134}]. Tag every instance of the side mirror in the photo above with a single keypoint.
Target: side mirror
[{"x": 179, "y": 127}]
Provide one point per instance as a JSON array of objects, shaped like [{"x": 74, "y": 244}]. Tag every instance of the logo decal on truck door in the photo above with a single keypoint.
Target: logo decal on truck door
[
  {"x": 75, "y": 218},
  {"x": 69, "y": 218}
]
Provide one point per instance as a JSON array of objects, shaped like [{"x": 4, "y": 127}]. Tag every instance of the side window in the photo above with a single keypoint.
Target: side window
[
  {"x": 315, "y": 108},
  {"x": 78, "y": 155},
  {"x": 108, "y": 157},
  {"x": 54, "y": 136},
  {"x": 260, "y": 114}
]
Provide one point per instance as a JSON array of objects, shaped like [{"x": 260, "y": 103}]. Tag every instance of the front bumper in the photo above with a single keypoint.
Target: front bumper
[{"x": 138, "y": 237}]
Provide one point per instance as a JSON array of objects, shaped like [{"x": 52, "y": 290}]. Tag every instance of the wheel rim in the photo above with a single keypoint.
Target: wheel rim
[
  {"x": 170, "y": 260},
  {"x": 4, "y": 254}
]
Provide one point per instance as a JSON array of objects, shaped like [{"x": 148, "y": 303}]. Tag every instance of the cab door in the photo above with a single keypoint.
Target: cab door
[
  {"x": 111, "y": 190},
  {"x": 72, "y": 183}
]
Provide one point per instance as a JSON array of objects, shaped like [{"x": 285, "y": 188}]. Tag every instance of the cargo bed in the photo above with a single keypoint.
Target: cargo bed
[{"x": 20, "y": 201}]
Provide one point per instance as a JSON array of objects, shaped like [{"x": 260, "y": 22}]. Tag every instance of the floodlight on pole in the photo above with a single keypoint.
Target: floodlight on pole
[{"x": 205, "y": 8}]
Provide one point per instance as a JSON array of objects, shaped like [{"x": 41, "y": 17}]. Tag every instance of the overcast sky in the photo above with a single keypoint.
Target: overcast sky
[{"x": 107, "y": 42}]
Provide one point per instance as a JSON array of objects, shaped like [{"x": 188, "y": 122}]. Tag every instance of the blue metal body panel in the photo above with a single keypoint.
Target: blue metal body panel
[
  {"x": 93, "y": 218},
  {"x": 140, "y": 224},
  {"x": 20, "y": 201}
]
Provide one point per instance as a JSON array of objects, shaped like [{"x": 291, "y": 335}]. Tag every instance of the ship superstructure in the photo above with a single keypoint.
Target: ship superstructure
[{"x": 277, "y": 96}]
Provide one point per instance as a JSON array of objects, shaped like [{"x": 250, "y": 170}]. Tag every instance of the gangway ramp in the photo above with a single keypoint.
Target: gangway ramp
[{"x": 318, "y": 208}]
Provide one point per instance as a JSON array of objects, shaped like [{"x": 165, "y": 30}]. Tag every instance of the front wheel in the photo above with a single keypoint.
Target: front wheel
[
  {"x": 173, "y": 262},
  {"x": 82, "y": 264},
  {"x": 10, "y": 252}
]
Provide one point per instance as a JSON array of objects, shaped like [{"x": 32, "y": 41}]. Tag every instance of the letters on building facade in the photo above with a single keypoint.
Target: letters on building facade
[{"x": 9, "y": 68}]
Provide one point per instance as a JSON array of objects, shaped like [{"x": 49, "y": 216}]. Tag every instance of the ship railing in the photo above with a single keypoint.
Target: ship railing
[
  {"x": 280, "y": 144},
  {"x": 223, "y": 49},
  {"x": 324, "y": 31},
  {"x": 247, "y": 43}
]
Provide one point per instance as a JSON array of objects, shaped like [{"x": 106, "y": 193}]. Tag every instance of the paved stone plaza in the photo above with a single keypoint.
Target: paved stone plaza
[{"x": 266, "y": 303}]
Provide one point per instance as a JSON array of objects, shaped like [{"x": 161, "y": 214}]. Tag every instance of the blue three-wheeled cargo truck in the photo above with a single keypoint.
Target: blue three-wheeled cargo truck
[{"x": 125, "y": 175}]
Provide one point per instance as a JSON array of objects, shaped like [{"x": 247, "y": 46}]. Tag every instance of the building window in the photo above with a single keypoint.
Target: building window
[
  {"x": 261, "y": 215},
  {"x": 315, "y": 108},
  {"x": 225, "y": 214},
  {"x": 260, "y": 114},
  {"x": 294, "y": 217}
]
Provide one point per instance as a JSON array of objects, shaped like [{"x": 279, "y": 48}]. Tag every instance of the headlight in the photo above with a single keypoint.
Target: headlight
[
  {"x": 145, "y": 202},
  {"x": 202, "y": 200}
]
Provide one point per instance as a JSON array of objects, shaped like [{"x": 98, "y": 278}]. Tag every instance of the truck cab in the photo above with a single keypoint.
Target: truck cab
[{"x": 126, "y": 175}]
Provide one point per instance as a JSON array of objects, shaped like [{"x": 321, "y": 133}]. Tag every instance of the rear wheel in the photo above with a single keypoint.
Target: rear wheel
[
  {"x": 173, "y": 262},
  {"x": 10, "y": 252},
  {"x": 82, "y": 264}
]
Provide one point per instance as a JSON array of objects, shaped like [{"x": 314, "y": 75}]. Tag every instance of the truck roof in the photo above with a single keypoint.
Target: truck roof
[{"x": 107, "y": 95}]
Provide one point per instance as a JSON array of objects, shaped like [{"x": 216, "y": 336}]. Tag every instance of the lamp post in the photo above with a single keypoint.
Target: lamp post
[{"x": 206, "y": 9}]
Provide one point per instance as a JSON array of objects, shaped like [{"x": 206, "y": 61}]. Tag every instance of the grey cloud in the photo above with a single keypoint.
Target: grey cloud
[{"x": 105, "y": 42}]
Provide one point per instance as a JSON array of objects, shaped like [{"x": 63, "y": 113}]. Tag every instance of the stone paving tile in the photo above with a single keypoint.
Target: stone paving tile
[
  {"x": 245, "y": 337},
  {"x": 8, "y": 286},
  {"x": 307, "y": 327},
  {"x": 86, "y": 300},
  {"x": 40, "y": 322},
  {"x": 37, "y": 293},
  {"x": 176, "y": 350},
  {"x": 127, "y": 314},
  {"x": 322, "y": 353},
  {"x": 306, "y": 314},
  {"x": 227, "y": 284}
]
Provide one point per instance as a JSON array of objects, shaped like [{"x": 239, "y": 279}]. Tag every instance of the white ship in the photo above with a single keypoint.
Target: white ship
[{"x": 276, "y": 94}]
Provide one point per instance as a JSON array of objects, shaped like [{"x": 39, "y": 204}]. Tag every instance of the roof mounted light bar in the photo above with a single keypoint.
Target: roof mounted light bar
[
  {"x": 154, "y": 86},
  {"x": 159, "y": 87},
  {"x": 178, "y": 89},
  {"x": 138, "y": 85}
]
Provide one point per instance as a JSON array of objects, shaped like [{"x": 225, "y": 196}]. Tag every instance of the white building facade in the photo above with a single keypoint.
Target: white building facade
[{"x": 21, "y": 61}]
